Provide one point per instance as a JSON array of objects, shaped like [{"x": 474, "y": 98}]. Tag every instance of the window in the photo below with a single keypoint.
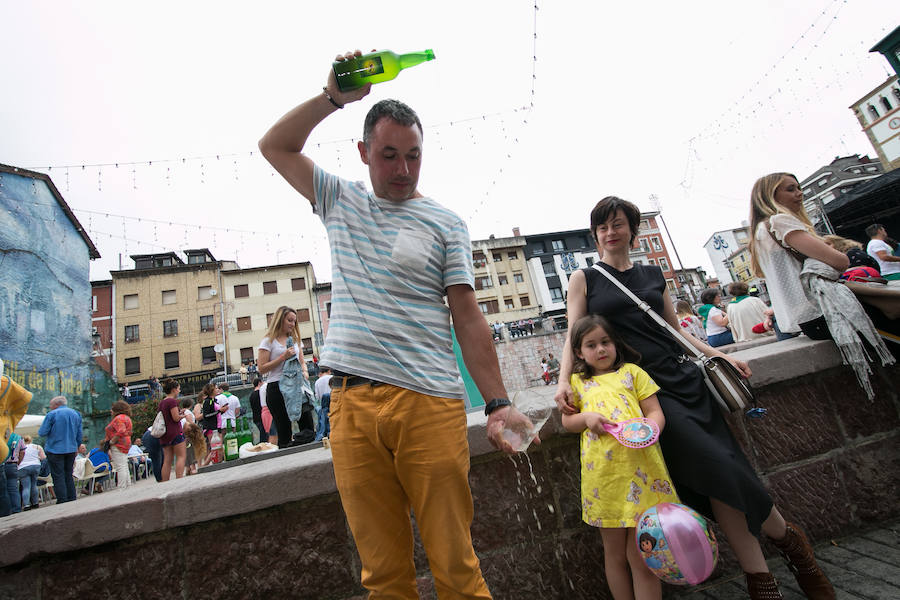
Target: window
[
  {"x": 208, "y": 355},
  {"x": 518, "y": 278},
  {"x": 652, "y": 261},
  {"x": 328, "y": 309},
  {"x": 243, "y": 324},
  {"x": 130, "y": 301},
  {"x": 589, "y": 261},
  {"x": 269, "y": 318},
  {"x": 886, "y": 103},
  {"x": 204, "y": 292},
  {"x": 93, "y": 303},
  {"x": 307, "y": 345},
  {"x": 663, "y": 264},
  {"x": 241, "y": 291},
  {"x": 132, "y": 365},
  {"x": 497, "y": 256},
  {"x": 512, "y": 255},
  {"x": 270, "y": 287},
  {"x": 303, "y": 315},
  {"x": 170, "y": 328},
  {"x": 502, "y": 279},
  {"x": 247, "y": 354},
  {"x": 298, "y": 283},
  {"x": 549, "y": 268},
  {"x": 644, "y": 245},
  {"x": 670, "y": 284},
  {"x": 874, "y": 112},
  {"x": 524, "y": 301},
  {"x": 644, "y": 225},
  {"x": 484, "y": 282},
  {"x": 655, "y": 242},
  {"x": 132, "y": 333},
  {"x": 196, "y": 259},
  {"x": 168, "y": 297},
  {"x": 558, "y": 245},
  {"x": 508, "y": 302},
  {"x": 489, "y": 307},
  {"x": 171, "y": 360},
  {"x": 896, "y": 92},
  {"x": 207, "y": 323},
  {"x": 556, "y": 294},
  {"x": 478, "y": 259}
]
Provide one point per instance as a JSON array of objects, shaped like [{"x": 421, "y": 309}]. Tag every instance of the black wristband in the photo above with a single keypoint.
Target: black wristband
[
  {"x": 495, "y": 404},
  {"x": 330, "y": 99}
]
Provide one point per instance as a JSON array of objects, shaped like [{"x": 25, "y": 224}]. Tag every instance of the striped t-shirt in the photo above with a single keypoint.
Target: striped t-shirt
[{"x": 391, "y": 264}]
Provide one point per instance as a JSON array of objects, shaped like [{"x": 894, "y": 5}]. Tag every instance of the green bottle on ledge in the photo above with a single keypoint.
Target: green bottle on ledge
[
  {"x": 231, "y": 442},
  {"x": 375, "y": 67}
]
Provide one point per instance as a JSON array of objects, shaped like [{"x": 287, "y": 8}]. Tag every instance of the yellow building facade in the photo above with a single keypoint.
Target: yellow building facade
[
  {"x": 503, "y": 287},
  {"x": 168, "y": 317},
  {"x": 251, "y": 298}
]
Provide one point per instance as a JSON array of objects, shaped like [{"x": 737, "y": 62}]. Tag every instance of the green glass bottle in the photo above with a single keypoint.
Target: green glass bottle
[
  {"x": 246, "y": 434},
  {"x": 231, "y": 443},
  {"x": 375, "y": 67}
]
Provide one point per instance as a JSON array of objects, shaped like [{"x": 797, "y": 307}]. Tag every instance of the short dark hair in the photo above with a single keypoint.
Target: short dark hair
[
  {"x": 606, "y": 209},
  {"x": 257, "y": 381},
  {"x": 738, "y": 288},
  {"x": 872, "y": 229},
  {"x": 708, "y": 296},
  {"x": 391, "y": 109},
  {"x": 586, "y": 324},
  {"x": 223, "y": 387}
]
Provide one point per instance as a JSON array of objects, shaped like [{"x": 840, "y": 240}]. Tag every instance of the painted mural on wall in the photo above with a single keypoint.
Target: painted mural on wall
[{"x": 45, "y": 301}]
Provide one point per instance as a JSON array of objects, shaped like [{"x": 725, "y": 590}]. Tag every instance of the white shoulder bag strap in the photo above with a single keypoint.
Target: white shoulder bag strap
[{"x": 689, "y": 348}]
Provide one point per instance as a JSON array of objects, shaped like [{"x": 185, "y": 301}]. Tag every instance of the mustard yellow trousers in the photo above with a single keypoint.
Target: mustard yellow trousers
[{"x": 394, "y": 450}]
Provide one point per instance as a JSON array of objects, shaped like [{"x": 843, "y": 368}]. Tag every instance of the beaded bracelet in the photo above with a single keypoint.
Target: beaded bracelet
[{"x": 330, "y": 99}]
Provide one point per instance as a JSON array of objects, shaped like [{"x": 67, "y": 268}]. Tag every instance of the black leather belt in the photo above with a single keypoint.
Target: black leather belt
[{"x": 341, "y": 379}]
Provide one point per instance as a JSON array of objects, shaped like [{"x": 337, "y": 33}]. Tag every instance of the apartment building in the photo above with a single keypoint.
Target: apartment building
[
  {"x": 503, "y": 287},
  {"x": 834, "y": 181},
  {"x": 168, "y": 318},
  {"x": 721, "y": 245},
  {"x": 102, "y": 324},
  {"x": 322, "y": 292},
  {"x": 251, "y": 297}
]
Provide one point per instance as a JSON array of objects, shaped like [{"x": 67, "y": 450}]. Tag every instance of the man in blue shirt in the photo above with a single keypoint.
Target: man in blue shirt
[{"x": 62, "y": 431}]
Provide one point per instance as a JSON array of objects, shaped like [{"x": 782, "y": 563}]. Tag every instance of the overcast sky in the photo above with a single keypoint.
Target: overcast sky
[{"x": 690, "y": 101}]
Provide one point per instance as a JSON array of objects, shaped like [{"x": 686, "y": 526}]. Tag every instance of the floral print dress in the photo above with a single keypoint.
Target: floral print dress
[{"x": 618, "y": 483}]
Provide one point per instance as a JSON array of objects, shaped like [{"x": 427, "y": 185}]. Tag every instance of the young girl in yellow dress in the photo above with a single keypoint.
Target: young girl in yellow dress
[{"x": 617, "y": 483}]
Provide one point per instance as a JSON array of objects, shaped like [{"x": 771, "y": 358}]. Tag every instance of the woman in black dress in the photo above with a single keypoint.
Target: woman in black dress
[{"x": 707, "y": 465}]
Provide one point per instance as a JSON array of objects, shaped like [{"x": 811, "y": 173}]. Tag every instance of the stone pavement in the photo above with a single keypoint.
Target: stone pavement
[{"x": 863, "y": 566}]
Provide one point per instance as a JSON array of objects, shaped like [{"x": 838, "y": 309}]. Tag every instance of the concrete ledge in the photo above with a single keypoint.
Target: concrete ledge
[
  {"x": 287, "y": 477},
  {"x": 789, "y": 359}
]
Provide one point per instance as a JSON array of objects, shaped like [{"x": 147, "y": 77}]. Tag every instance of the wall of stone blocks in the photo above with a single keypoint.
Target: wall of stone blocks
[{"x": 829, "y": 456}]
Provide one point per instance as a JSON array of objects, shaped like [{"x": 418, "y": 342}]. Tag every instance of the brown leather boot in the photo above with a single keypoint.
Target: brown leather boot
[
  {"x": 762, "y": 586},
  {"x": 799, "y": 556}
]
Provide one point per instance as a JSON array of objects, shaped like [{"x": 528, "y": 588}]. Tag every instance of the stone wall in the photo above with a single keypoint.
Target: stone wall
[{"x": 275, "y": 528}]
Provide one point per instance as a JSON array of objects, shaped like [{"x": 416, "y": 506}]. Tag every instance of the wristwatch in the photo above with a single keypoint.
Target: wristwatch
[{"x": 494, "y": 404}]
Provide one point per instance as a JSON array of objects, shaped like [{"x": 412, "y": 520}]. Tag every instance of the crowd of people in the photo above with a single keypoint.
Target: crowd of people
[{"x": 396, "y": 419}]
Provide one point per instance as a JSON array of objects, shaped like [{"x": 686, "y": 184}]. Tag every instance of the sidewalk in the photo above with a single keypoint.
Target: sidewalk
[{"x": 862, "y": 566}]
